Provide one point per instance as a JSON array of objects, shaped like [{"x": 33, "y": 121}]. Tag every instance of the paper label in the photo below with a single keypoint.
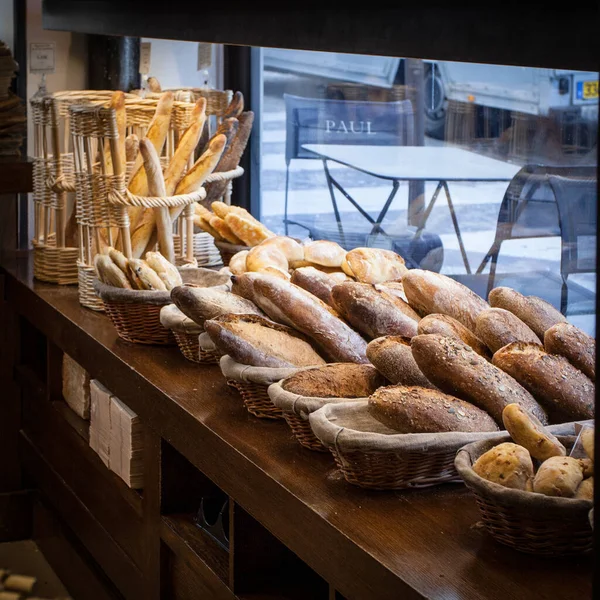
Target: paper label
[
  {"x": 42, "y": 57},
  {"x": 145, "y": 50},
  {"x": 204, "y": 56}
]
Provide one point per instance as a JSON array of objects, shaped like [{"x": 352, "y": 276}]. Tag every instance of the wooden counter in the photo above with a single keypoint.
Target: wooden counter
[{"x": 351, "y": 543}]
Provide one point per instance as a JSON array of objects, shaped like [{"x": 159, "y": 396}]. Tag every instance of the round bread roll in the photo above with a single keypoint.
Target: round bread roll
[
  {"x": 289, "y": 247},
  {"x": 450, "y": 327},
  {"x": 528, "y": 432},
  {"x": 266, "y": 256},
  {"x": 536, "y": 313},
  {"x": 458, "y": 370},
  {"x": 429, "y": 292},
  {"x": 374, "y": 265},
  {"x": 587, "y": 466},
  {"x": 326, "y": 253},
  {"x": 587, "y": 440},
  {"x": 392, "y": 357},
  {"x": 412, "y": 409},
  {"x": 565, "y": 392},
  {"x": 498, "y": 327},
  {"x": 558, "y": 476},
  {"x": 508, "y": 465},
  {"x": 237, "y": 263},
  {"x": 575, "y": 345},
  {"x": 585, "y": 491},
  {"x": 348, "y": 269},
  {"x": 335, "y": 380}
]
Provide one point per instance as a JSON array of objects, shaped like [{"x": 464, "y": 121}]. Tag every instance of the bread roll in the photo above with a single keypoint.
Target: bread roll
[
  {"x": 335, "y": 380},
  {"x": 565, "y": 392},
  {"x": 373, "y": 265},
  {"x": 109, "y": 273},
  {"x": 575, "y": 345},
  {"x": 120, "y": 260},
  {"x": 411, "y": 409},
  {"x": 558, "y": 476},
  {"x": 249, "y": 231},
  {"x": 237, "y": 263},
  {"x": 587, "y": 466},
  {"x": 528, "y": 432},
  {"x": 450, "y": 327},
  {"x": 429, "y": 292},
  {"x": 200, "y": 304},
  {"x": 536, "y": 313},
  {"x": 392, "y": 357},
  {"x": 287, "y": 303},
  {"x": 254, "y": 340},
  {"x": 164, "y": 269},
  {"x": 587, "y": 440},
  {"x": 508, "y": 465},
  {"x": 498, "y": 327},
  {"x": 276, "y": 271},
  {"x": 314, "y": 281},
  {"x": 457, "y": 369},
  {"x": 289, "y": 247},
  {"x": 324, "y": 252},
  {"x": 146, "y": 275},
  {"x": 221, "y": 227},
  {"x": 585, "y": 491}
]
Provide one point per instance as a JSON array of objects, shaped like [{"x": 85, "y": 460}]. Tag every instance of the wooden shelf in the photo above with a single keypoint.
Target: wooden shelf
[{"x": 16, "y": 175}]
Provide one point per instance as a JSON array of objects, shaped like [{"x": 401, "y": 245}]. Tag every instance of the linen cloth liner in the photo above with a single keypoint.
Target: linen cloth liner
[
  {"x": 172, "y": 318},
  {"x": 206, "y": 343},
  {"x": 247, "y": 373}
]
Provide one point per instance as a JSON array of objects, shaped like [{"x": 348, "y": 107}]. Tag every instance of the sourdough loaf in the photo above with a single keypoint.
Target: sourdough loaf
[
  {"x": 373, "y": 312},
  {"x": 536, "y": 313},
  {"x": 575, "y": 345},
  {"x": 412, "y": 409},
  {"x": 457, "y": 369},
  {"x": 450, "y": 327},
  {"x": 565, "y": 392},
  {"x": 392, "y": 357},
  {"x": 314, "y": 281},
  {"x": 335, "y": 380},
  {"x": 498, "y": 327},
  {"x": 429, "y": 292},
  {"x": 256, "y": 341}
]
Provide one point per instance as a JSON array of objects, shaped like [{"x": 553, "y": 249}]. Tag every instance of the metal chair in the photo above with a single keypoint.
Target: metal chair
[
  {"x": 341, "y": 122},
  {"x": 569, "y": 210}
]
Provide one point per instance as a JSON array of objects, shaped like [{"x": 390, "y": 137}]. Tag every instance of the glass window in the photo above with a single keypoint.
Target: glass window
[{"x": 483, "y": 172}]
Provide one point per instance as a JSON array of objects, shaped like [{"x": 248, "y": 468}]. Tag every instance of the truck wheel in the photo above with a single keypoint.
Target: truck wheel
[{"x": 436, "y": 103}]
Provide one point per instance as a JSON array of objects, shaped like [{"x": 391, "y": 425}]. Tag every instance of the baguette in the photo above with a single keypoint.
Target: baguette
[
  {"x": 498, "y": 327},
  {"x": 235, "y": 107},
  {"x": 392, "y": 357},
  {"x": 372, "y": 312},
  {"x": 132, "y": 146},
  {"x": 254, "y": 340},
  {"x": 536, "y": 313},
  {"x": 154, "y": 85},
  {"x": 373, "y": 265},
  {"x": 229, "y": 128},
  {"x": 429, "y": 292},
  {"x": 563, "y": 390},
  {"x": 457, "y": 369},
  {"x": 285, "y": 302},
  {"x": 200, "y": 304},
  {"x": 449, "y": 327},
  {"x": 412, "y": 409},
  {"x": 203, "y": 167},
  {"x": 575, "y": 345},
  {"x": 314, "y": 281}
]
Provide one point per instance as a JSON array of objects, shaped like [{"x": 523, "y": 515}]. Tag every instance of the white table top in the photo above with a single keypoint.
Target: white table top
[{"x": 428, "y": 163}]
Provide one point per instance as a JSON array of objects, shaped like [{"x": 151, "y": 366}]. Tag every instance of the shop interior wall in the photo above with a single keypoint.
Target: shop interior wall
[{"x": 6, "y": 23}]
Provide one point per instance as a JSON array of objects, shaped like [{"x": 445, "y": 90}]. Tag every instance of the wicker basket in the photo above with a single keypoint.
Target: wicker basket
[
  {"x": 207, "y": 351},
  {"x": 228, "y": 250},
  {"x": 528, "y": 522},
  {"x": 296, "y": 410},
  {"x": 373, "y": 456},
  {"x": 252, "y": 383}
]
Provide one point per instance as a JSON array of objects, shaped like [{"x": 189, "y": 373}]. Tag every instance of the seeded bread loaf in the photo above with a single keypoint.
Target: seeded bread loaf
[
  {"x": 335, "y": 380},
  {"x": 256, "y": 341},
  {"x": 536, "y": 313},
  {"x": 498, "y": 327},
  {"x": 392, "y": 357},
  {"x": 450, "y": 327},
  {"x": 575, "y": 345},
  {"x": 411, "y": 409},
  {"x": 564, "y": 391},
  {"x": 457, "y": 369}
]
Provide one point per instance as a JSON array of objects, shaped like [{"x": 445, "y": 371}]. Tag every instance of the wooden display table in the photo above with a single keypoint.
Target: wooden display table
[{"x": 296, "y": 528}]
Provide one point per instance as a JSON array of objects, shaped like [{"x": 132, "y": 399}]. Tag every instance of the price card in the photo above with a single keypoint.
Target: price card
[
  {"x": 145, "y": 50},
  {"x": 42, "y": 57},
  {"x": 204, "y": 56}
]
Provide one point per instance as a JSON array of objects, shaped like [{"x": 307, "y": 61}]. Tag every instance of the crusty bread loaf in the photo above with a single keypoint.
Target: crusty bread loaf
[
  {"x": 374, "y": 313},
  {"x": 565, "y": 392},
  {"x": 249, "y": 231},
  {"x": 392, "y": 357},
  {"x": 412, "y": 409},
  {"x": 290, "y": 304},
  {"x": 458, "y": 370},
  {"x": 200, "y": 304},
  {"x": 528, "y": 432},
  {"x": 575, "y": 345},
  {"x": 536, "y": 313},
  {"x": 221, "y": 227},
  {"x": 109, "y": 273},
  {"x": 254, "y": 340},
  {"x": 325, "y": 253},
  {"x": 450, "y": 327},
  {"x": 429, "y": 292},
  {"x": 314, "y": 281},
  {"x": 335, "y": 380},
  {"x": 395, "y": 288},
  {"x": 374, "y": 265},
  {"x": 508, "y": 465},
  {"x": 165, "y": 270},
  {"x": 235, "y": 107},
  {"x": 498, "y": 327},
  {"x": 237, "y": 263}
]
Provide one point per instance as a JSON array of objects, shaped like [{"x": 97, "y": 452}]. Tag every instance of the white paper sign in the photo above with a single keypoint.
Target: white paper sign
[
  {"x": 204, "y": 56},
  {"x": 41, "y": 57},
  {"x": 145, "y": 50}
]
